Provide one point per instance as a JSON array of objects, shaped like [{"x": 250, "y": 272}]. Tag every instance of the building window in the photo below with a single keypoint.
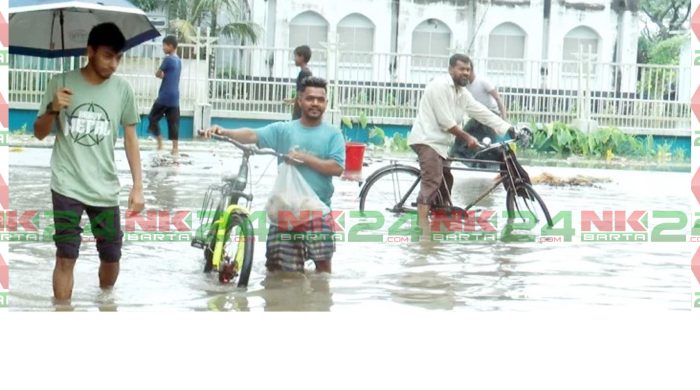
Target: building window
[
  {"x": 309, "y": 28},
  {"x": 431, "y": 44},
  {"x": 506, "y": 48},
  {"x": 356, "y": 35},
  {"x": 580, "y": 41}
]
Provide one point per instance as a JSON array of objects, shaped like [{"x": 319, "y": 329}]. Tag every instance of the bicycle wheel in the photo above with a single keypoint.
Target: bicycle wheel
[
  {"x": 524, "y": 202},
  {"x": 237, "y": 255},
  {"x": 395, "y": 190}
]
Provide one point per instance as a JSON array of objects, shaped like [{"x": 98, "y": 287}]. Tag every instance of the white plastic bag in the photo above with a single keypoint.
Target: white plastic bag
[{"x": 293, "y": 201}]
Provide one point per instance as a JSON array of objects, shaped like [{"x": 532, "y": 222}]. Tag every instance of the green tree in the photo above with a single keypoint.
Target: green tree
[
  {"x": 667, "y": 16},
  {"x": 148, "y": 5},
  {"x": 188, "y": 17},
  {"x": 208, "y": 13},
  {"x": 662, "y": 36}
]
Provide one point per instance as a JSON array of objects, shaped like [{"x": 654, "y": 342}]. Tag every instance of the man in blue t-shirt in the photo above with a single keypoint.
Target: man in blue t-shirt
[
  {"x": 318, "y": 150},
  {"x": 168, "y": 102}
]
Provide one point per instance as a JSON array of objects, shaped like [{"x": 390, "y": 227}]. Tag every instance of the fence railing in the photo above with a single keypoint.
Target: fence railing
[{"x": 253, "y": 82}]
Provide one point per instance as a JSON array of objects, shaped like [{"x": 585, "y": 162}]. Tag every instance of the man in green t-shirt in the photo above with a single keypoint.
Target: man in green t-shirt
[{"x": 85, "y": 108}]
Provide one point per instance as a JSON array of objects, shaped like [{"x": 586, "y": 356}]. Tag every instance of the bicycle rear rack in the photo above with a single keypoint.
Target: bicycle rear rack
[{"x": 207, "y": 215}]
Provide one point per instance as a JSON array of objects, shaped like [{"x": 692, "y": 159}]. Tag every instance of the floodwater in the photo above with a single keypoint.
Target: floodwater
[{"x": 481, "y": 276}]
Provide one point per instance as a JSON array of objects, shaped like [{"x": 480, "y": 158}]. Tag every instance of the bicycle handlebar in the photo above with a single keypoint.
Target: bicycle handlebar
[
  {"x": 485, "y": 148},
  {"x": 523, "y": 135},
  {"x": 250, "y": 148}
]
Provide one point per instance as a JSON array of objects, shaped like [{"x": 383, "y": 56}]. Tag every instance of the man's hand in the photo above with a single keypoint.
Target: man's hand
[
  {"x": 216, "y": 129},
  {"x": 136, "y": 201},
  {"x": 61, "y": 99},
  {"x": 470, "y": 141},
  {"x": 296, "y": 157}
]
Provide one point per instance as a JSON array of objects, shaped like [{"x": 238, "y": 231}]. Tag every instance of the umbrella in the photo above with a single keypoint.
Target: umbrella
[{"x": 60, "y": 28}]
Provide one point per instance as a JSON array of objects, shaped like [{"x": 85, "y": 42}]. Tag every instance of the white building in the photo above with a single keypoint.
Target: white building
[{"x": 523, "y": 36}]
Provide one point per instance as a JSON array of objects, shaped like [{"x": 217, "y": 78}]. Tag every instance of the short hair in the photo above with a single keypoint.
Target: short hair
[
  {"x": 170, "y": 40},
  {"x": 460, "y": 58},
  {"x": 303, "y": 51},
  {"x": 107, "y": 34},
  {"x": 313, "y": 82}
]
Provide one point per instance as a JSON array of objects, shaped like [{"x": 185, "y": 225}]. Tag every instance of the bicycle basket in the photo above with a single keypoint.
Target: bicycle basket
[{"x": 207, "y": 215}]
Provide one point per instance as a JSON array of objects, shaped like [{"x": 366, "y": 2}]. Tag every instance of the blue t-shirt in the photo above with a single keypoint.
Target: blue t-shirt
[
  {"x": 169, "y": 93},
  {"x": 323, "y": 141}
]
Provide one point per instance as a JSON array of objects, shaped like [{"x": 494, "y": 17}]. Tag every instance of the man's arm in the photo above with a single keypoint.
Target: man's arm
[
  {"x": 242, "y": 135},
  {"x": 499, "y": 102},
  {"x": 324, "y": 167},
  {"x": 44, "y": 123},
  {"x": 483, "y": 115},
  {"x": 160, "y": 73},
  {"x": 133, "y": 155},
  {"x": 438, "y": 96}
]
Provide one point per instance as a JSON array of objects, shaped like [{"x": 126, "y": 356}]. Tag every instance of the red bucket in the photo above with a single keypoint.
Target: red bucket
[{"x": 354, "y": 157}]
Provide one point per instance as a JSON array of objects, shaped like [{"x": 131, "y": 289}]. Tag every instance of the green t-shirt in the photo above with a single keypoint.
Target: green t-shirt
[{"x": 82, "y": 162}]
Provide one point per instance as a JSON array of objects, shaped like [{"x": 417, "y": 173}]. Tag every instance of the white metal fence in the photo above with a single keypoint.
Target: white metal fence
[{"x": 252, "y": 82}]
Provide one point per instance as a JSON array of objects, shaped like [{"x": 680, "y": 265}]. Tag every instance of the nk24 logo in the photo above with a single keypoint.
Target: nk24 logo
[{"x": 376, "y": 226}]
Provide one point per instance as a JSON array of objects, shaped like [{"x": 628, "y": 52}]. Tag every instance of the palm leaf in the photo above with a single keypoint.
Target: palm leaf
[{"x": 245, "y": 30}]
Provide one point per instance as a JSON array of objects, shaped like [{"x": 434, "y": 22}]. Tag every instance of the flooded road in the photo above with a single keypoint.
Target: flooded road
[{"x": 522, "y": 276}]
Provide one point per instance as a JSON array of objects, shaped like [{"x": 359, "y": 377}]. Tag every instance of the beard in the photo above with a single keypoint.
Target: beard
[
  {"x": 462, "y": 82},
  {"x": 313, "y": 113}
]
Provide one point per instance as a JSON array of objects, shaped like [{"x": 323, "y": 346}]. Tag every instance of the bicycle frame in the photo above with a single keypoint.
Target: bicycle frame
[
  {"x": 230, "y": 191},
  {"x": 512, "y": 175}
]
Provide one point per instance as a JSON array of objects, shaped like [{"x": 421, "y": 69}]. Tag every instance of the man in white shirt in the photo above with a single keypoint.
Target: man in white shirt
[{"x": 440, "y": 111}]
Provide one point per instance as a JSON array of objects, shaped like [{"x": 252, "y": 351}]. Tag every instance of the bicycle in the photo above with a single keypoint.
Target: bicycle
[
  {"x": 227, "y": 236},
  {"x": 398, "y": 185}
]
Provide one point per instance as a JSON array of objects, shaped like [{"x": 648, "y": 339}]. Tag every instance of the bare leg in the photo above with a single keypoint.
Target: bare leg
[
  {"x": 108, "y": 274},
  {"x": 160, "y": 143},
  {"x": 175, "y": 151},
  {"x": 323, "y": 266},
  {"x": 423, "y": 222},
  {"x": 63, "y": 279}
]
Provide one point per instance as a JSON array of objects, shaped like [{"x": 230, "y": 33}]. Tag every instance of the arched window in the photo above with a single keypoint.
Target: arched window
[
  {"x": 506, "y": 47},
  {"x": 356, "y": 34},
  {"x": 309, "y": 28},
  {"x": 580, "y": 42},
  {"x": 431, "y": 38}
]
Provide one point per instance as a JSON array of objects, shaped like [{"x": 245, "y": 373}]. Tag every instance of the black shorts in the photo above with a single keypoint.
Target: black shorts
[
  {"x": 172, "y": 115},
  {"x": 105, "y": 223}
]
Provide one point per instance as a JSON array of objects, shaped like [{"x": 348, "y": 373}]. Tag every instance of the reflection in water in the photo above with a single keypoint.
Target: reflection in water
[
  {"x": 283, "y": 291},
  {"x": 160, "y": 187},
  {"x": 167, "y": 275}
]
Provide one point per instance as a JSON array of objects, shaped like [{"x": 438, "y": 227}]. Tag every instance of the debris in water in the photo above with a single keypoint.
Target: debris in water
[{"x": 578, "y": 180}]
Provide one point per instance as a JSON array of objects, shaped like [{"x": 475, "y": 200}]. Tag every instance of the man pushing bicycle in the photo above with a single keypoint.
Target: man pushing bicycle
[{"x": 318, "y": 150}]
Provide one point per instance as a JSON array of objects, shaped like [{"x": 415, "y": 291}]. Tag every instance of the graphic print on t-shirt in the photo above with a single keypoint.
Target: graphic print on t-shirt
[{"x": 88, "y": 124}]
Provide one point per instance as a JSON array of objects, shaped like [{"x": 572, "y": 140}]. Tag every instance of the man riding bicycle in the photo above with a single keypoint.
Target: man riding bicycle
[{"x": 441, "y": 109}]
